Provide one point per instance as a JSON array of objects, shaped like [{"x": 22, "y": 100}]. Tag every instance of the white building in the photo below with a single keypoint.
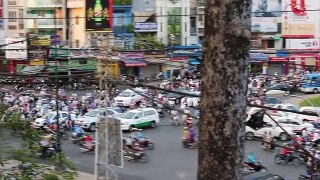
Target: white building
[
  {"x": 3, "y": 21},
  {"x": 176, "y": 27},
  {"x": 16, "y": 13}
]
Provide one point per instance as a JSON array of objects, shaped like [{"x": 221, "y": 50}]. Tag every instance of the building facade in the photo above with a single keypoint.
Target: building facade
[
  {"x": 46, "y": 17},
  {"x": 16, "y": 13}
]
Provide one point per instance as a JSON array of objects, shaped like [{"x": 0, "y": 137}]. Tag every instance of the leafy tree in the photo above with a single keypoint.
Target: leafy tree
[
  {"x": 147, "y": 42},
  {"x": 25, "y": 152}
]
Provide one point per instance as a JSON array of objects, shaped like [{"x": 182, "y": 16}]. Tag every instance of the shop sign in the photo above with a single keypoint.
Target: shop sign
[
  {"x": 179, "y": 58},
  {"x": 41, "y": 41},
  {"x": 16, "y": 48},
  {"x": 305, "y": 44},
  {"x": 264, "y": 24},
  {"x": 59, "y": 53},
  {"x": 37, "y": 62},
  {"x": 259, "y": 57},
  {"x": 37, "y": 53},
  {"x": 132, "y": 55},
  {"x": 145, "y": 27},
  {"x": 278, "y": 59}
]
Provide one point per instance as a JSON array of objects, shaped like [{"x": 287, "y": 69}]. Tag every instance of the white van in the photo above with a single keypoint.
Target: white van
[{"x": 139, "y": 118}]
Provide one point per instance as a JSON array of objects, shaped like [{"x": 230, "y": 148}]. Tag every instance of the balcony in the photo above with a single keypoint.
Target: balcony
[
  {"x": 44, "y": 4},
  {"x": 44, "y": 24}
]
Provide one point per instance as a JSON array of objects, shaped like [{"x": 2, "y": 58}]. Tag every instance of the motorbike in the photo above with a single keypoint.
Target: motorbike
[
  {"x": 48, "y": 152},
  {"x": 174, "y": 119},
  {"x": 76, "y": 139},
  {"x": 160, "y": 111},
  {"x": 282, "y": 159},
  {"x": 136, "y": 155},
  {"x": 186, "y": 143},
  {"x": 268, "y": 147},
  {"x": 250, "y": 168},
  {"x": 83, "y": 148},
  {"x": 146, "y": 143}
]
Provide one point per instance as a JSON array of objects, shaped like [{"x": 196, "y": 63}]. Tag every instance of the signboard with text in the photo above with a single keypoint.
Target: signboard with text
[
  {"x": 1, "y": 15},
  {"x": 264, "y": 24},
  {"x": 99, "y": 15},
  {"x": 75, "y": 3},
  {"x": 145, "y": 27},
  {"x": 16, "y": 48},
  {"x": 305, "y": 44}
]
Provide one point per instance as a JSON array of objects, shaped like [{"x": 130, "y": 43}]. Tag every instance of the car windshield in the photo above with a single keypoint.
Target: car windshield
[
  {"x": 272, "y": 100},
  {"x": 92, "y": 113},
  {"x": 125, "y": 94},
  {"x": 50, "y": 115},
  {"x": 293, "y": 108},
  {"x": 128, "y": 115}
]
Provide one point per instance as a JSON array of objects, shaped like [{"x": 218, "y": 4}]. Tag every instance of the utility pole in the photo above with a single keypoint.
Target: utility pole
[{"x": 223, "y": 104}]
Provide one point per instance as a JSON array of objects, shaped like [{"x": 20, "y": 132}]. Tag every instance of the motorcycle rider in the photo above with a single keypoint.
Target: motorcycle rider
[
  {"x": 88, "y": 140},
  {"x": 77, "y": 131},
  {"x": 192, "y": 136},
  {"x": 287, "y": 153},
  {"x": 174, "y": 117}
]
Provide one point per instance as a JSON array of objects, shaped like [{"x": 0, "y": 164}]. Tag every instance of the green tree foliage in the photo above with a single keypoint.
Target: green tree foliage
[
  {"x": 26, "y": 151},
  {"x": 147, "y": 43}
]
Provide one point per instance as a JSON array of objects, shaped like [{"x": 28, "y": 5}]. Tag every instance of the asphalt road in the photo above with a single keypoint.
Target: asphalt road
[{"x": 169, "y": 160}]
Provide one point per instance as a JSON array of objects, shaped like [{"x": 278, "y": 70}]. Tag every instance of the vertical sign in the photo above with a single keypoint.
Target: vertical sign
[
  {"x": 1, "y": 15},
  {"x": 99, "y": 15}
]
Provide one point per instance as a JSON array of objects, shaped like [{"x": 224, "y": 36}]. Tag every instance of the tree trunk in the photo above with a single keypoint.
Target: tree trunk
[{"x": 224, "y": 87}]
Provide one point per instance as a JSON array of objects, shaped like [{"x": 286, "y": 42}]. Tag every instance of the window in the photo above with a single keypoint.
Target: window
[
  {"x": 271, "y": 43},
  {"x": 65, "y": 115},
  {"x": 12, "y": 27},
  {"x": 200, "y": 18},
  {"x": 21, "y": 26},
  {"x": 120, "y": 20},
  {"x": 12, "y": 3},
  {"x": 12, "y": 16},
  {"x": 82, "y": 61},
  {"x": 139, "y": 115},
  {"x": 78, "y": 44},
  {"x": 185, "y": 27},
  {"x": 77, "y": 20},
  {"x": 149, "y": 113},
  {"x": 160, "y": 27}
]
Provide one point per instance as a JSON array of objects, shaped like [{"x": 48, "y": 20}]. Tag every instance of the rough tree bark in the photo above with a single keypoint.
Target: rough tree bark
[{"x": 224, "y": 87}]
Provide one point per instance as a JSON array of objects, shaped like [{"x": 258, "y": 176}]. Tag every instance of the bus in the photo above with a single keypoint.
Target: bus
[{"x": 311, "y": 83}]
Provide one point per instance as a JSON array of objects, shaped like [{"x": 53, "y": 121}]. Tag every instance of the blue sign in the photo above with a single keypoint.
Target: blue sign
[
  {"x": 282, "y": 53},
  {"x": 259, "y": 57},
  {"x": 145, "y": 27},
  {"x": 55, "y": 39}
]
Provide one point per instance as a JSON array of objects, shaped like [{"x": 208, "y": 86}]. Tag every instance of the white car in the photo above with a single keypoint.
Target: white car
[
  {"x": 52, "y": 117},
  {"x": 296, "y": 125},
  {"x": 126, "y": 97},
  {"x": 288, "y": 106},
  {"x": 313, "y": 117},
  {"x": 276, "y": 132},
  {"x": 257, "y": 126},
  {"x": 193, "y": 101},
  {"x": 139, "y": 118},
  {"x": 89, "y": 120}
]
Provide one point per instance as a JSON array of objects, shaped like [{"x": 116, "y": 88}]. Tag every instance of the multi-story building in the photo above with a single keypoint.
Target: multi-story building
[
  {"x": 77, "y": 22},
  {"x": 16, "y": 14},
  {"x": 46, "y": 17},
  {"x": 200, "y": 19},
  {"x": 173, "y": 21},
  {"x": 3, "y": 21}
]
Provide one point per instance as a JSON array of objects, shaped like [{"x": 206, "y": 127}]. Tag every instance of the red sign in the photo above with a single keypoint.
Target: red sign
[
  {"x": 179, "y": 59},
  {"x": 278, "y": 59},
  {"x": 299, "y": 11}
]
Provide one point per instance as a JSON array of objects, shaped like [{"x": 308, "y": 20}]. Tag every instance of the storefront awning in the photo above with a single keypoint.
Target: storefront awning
[
  {"x": 134, "y": 62},
  {"x": 194, "y": 62},
  {"x": 32, "y": 69}
]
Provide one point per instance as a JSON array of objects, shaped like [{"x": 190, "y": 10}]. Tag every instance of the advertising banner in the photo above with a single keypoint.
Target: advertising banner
[
  {"x": 99, "y": 15},
  {"x": 300, "y": 25},
  {"x": 145, "y": 27},
  {"x": 264, "y": 24},
  {"x": 306, "y": 44},
  {"x": 41, "y": 41},
  {"x": 174, "y": 25},
  {"x": 1, "y": 15},
  {"x": 75, "y": 3},
  {"x": 16, "y": 48},
  {"x": 266, "y": 8}
]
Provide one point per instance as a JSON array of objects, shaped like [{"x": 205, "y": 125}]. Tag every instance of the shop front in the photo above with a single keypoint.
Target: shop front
[
  {"x": 305, "y": 62},
  {"x": 278, "y": 65},
  {"x": 258, "y": 63},
  {"x": 132, "y": 67}
]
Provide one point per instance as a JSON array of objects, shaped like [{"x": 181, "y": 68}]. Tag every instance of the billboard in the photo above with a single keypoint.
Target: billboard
[
  {"x": 264, "y": 24},
  {"x": 13, "y": 48},
  {"x": 266, "y": 8},
  {"x": 305, "y": 44},
  {"x": 145, "y": 27},
  {"x": 300, "y": 25},
  {"x": 174, "y": 25},
  {"x": 99, "y": 15}
]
